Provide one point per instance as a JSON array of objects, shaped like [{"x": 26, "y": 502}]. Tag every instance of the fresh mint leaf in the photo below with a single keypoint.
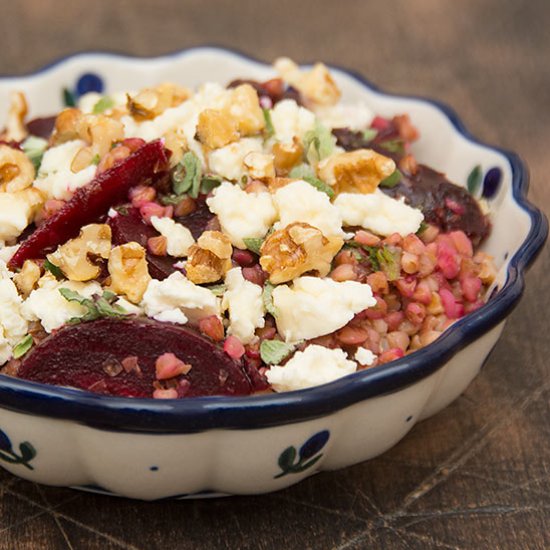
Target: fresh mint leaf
[
  {"x": 273, "y": 352},
  {"x": 96, "y": 159},
  {"x": 171, "y": 199},
  {"x": 34, "y": 148},
  {"x": 186, "y": 176},
  {"x": 217, "y": 290},
  {"x": 254, "y": 245},
  {"x": 369, "y": 134},
  {"x": 269, "y": 128},
  {"x": 267, "y": 297},
  {"x": 318, "y": 143},
  {"x": 301, "y": 171},
  {"x": 392, "y": 180},
  {"x": 96, "y": 307},
  {"x": 319, "y": 185},
  {"x": 23, "y": 347},
  {"x": 209, "y": 182},
  {"x": 104, "y": 104},
  {"x": 390, "y": 262},
  {"x": 393, "y": 146},
  {"x": 53, "y": 269}
]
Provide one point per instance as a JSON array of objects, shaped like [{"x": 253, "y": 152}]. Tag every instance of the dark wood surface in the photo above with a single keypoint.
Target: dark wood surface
[{"x": 475, "y": 476}]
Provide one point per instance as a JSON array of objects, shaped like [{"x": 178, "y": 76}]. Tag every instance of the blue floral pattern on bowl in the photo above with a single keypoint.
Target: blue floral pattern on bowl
[
  {"x": 484, "y": 186},
  {"x": 292, "y": 461},
  {"x": 88, "y": 82},
  {"x": 7, "y": 454}
]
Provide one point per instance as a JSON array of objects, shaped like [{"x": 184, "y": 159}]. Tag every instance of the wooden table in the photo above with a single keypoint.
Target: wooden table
[{"x": 475, "y": 476}]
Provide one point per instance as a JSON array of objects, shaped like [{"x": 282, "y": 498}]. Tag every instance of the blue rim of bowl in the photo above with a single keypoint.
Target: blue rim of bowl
[{"x": 254, "y": 412}]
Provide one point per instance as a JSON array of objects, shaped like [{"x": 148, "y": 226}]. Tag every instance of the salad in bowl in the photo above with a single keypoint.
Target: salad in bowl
[{"x": 247, "y": 260}]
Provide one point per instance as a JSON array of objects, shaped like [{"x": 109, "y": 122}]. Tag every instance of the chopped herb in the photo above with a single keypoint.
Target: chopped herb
[
  {"x": 217, "y": 290},
  {"x": 254, "y": 245},
  {"x": 69, "y": 99},
  {"x": 392, "y": 180},
  {"x": 96, "y": 307},
  {"x": 34, "y": 148},
  {"x": 318, "y": 143},
  {"x": 209, "y": 182},
  {"x": 104, "y": 104},
  {"x": 422, "y": 228},
  {"x": 23, "y": 347},
  {"x": 389, "y": 261},
  {"x": 171, "y": 199},
  {"x": 96, "y": 159},
  {"x": 273, "y": 352},
  {"x": 269, "y": 129},
  {"x": 122, "y": 210},
  {"x": 393, "y": 146},
  {"x": 53, "y": 269},
  {"x": 474, "y": 179},
  {"x": 186, "y": 176},
  {"x": 372, "y": 251},
  {"x": 267, "y": 298},
  {"x": 369, "y": 134},
  {"x": 320, "y": 185},
  {"x": 301, "y": 171}
]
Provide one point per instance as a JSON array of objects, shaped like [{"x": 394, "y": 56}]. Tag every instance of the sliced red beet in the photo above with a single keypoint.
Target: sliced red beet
[
  {"x": 128, "y": 226},
  {"x": 41, "y": 127},
  {"x": 93, "y": 200},
  {"x": 90, "y": 356}
]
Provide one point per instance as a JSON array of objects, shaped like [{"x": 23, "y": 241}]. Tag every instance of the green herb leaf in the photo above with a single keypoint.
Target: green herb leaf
[
  {"x": 269, "y": 128},
  {"x": 96, "y": 159},
  {"x": 369, "y": 134},
  {"x": 254, "y": 245},
  {"x": 171, "y": 199},
  {"x": 393, "y": 146},
  {"x": 217, "y": 290},
  {"x": 422, "y": 228},
  {"x": 474, "y": 179},
  {"x": 267, "y": 297},
  {"x": 53, "y": 269},
  {"x": 273, "y": 352},
  {"x": 23, "y": 347},
  {"x": 209, "y": 182},
  {"x": 104, "y": 104},
  {"x": 97, "y": 307},
  {"x": 34, "y": 148},
  {"x": 69, "y": 99},
  {"x": 186, "y": 177},
  {"x": 318, "y": 143},
  {"x": 390, "y": 262},
  {"x": 319, "y": 185},
  {"x": 372, "y": 251},
  {"x": 392, "y": 180},
  {"x": 301, "y": 171}
]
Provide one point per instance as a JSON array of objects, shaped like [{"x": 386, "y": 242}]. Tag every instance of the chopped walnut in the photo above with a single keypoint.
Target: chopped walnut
[
  {"x": 276, "y": 183},
  {"x": 316, "y": 85},
  {"x": 176, "y": 142},
  {"x": 216, "y": 128},
  {"x": 287, "y": 156},
  {"x": 67, "y": 126},
  {"x": 78, "y": 257},
  {"x": 210, "y": 258},
  {"x": 244, "y": 108},
  {"x": 128, "y": 269},
  {"x": 15, "y": 129},
  {"x": 296, "y": 249},
  {"x": 151, "y": 102},
  {"x": 357, "y": 171},
  {"x": 26, "y": 279},
  {"x": 16, "y": 170},
  {"x": 259, "y": 165}
]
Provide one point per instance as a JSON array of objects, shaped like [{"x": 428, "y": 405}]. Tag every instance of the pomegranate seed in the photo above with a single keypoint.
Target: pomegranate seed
[
  {"x": 352, "y": 336},
  {"x": 390, "y": 355},
  {"x": 150, "y": 209},
  {"x": 165, "y": 394},
  {"x": 212, "y": 327},
  {"x": 366, "y": 238},
  {"x": 377, "y": 311},
  {"x": 133, "y": 143},
  {"x": 380, "y": 123},
  {"x": 470, "y": 288},
  {"x": 422, "y": 293},
  {"x": 406, "y": 286},
  {"x": 395, "y": 239},
  {"x": 344, "y": 272},
  {"x": 168, "y": 366},
  {"x": 141, "y": 195},
  {"x": 157, "y": 245},
  {"x": 447, "y": 259},
  {"x": 244, "y": 258},
  {"x": 414, "y": 245},
  {"x": 233, "y": 347},
  {"x": 398, "y": 339},
  {"x": 252, "y": 351},
  {"x": 255, "y": 275},
  {"x": 378, "y": 281},
  {"x": 344, "y": 257},
  {"x": 409, "y": 263},
  {"x": 453, "y": 308},
  {"x": 415, "y": 313},
  {"x": 462, "y": 243},
  {"x": 394, "y": 319}
]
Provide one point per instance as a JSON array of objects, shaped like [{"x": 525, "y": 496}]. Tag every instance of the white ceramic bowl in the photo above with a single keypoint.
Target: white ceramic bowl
[{"x": 151, "y": 449}]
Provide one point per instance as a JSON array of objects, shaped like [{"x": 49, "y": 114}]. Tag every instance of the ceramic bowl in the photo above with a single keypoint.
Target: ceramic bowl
[{"x": 152, "y": 449}]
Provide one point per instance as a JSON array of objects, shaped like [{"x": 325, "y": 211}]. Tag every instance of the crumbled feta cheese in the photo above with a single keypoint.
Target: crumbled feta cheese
[
  {"x": 244, "y": 301},
  {"x": 48, "y": 305},
  {"x": 228, "y": 161},
  {"x": 289, "y": 120},
  {"x": 127, "y": 306},
  {"x": 314, "y": 366},
  {"x": 55, "y": 177},
  {"x": 7, "y": 252},
  {"x": 87, "y": 102},
  {"x": 242, "y": 215},
  {"x": 15, "y": 215},
  {"x": 178, "y": 237},
  {"x": 353, "y": 116},
  {"x": 6, "y": 351},
  {"x": 313, "y": 306},
  {"x": 13, "y": 326},
  {"x": 301, "y": 202},
  {"x": 163, "y": 299},
  {"x": 379, "y": 213},
  {"x": 364, "y": 357}
]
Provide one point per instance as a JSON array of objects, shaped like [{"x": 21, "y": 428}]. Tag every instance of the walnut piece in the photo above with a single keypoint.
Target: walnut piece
[
  {"x": 244, "y": 108},
  {"x": 15, "y": 129},
  {"x": 128, "y": 270},
  {"x": 26, "y": 279},
  {"x": 259, "y": 165},
  {"x": 151, "y": 102},
  {"x": 216, "y": 128},
  {"x": 78, "y": 257},
  {"x": 287, "y": 156},
  {"x": 210, "y": 258},
  {"x": 296, "y": 249},
  {"x": 357, "y": 171},
  {"x": 16, "y": 170}
]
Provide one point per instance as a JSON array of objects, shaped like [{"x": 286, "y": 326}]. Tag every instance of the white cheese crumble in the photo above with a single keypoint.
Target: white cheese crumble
[
  {"x": 314, "y": 366},
  {"x": 15, "y": 214},
  {"x": 301, "y": 202},
  {"x": 364, "y": 357},
  {"x": 244, "y": 301},
  {"x": 176, "y": 299},
  {"x": 353, "y": 116},
  {"x": 7, "y": 252},
  {"x": 379, "y": 213},
  {"x": 55, "y": 177},
  {"x": 13, "y": 326},
  {"x": 242, "y": 215},
  {"x": 228, "y": 161},
  {"x": 178, "y": 238},
  {"x": 313, "y": 306},
  {"x": 48, "y": 305},
  {"x": 289, "y": 120}
]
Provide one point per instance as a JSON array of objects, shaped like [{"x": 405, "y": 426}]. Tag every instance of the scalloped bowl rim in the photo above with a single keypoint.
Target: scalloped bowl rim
[{"x": 253, "y": 412}]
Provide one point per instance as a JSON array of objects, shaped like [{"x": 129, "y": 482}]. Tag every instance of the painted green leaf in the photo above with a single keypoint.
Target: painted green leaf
[
  {"x": 474, "y": 179},
  {"x": 69, "y": 99},
  {"x": 286, "y": 459}
]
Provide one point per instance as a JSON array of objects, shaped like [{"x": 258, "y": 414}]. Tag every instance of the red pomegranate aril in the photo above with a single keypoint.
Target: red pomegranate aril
[
  {"x": 453, "y": 308},
  {"x": 252, "y": 351},
  {"x": 462, "y": 243},
  {"x": 447, "y": 260},
  {"x": 266, "y": 333},
  {"x": 413, "y": 244},
  {"x": 352, "y": 336},
  {"x": 390, "y": 355},
  {"x": 406, "y": 286},
  {"x": 410, "y": 263},
  {"x": 394, "y": 319},
  {"x": 344, "y": 257},
  {"x": 244, "y": 258},
  {"x": 415, "y": 313},
  {"x": 141, "y": 195},
  {"x": 233, "y": 347},
  {"x": 398, "y": 339},
  {"x": 344, "y": 272},
  {"x": 380, "y": 123},
  {"x": 378, "y": 311},
  {"x": 170, "y": 393},
  {"x": 378, "y": 282},
  {"x": 366, "y": 238},
  {"x": 395, "y": 239},
  {"x": 422, "y": 293},
  {"x": 150, "y": 209},
  {"x": 470, "y": 286},
  {"x": 169, "y": 366},
  {"x": 255, "y": 275},
  {"x": 212, "y": 327}
]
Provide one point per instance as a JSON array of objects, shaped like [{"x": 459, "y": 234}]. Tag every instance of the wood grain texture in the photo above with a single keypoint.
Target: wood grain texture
[{"x": 475, "y": 476}]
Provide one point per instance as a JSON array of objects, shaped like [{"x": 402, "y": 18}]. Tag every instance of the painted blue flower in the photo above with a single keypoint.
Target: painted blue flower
[
  {"x": 293, "y": 462},
  {"x": 314, "y": 444},
  {"x": 5, "y": 443},
  {"x": 491, "y": 182},
  {"x": 89, "y": 82}
]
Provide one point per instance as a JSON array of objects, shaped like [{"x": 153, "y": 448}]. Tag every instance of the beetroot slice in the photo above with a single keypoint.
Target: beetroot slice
[
  {"x": 91, "y": 201},
  {"x": 81, "y": 356}
]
